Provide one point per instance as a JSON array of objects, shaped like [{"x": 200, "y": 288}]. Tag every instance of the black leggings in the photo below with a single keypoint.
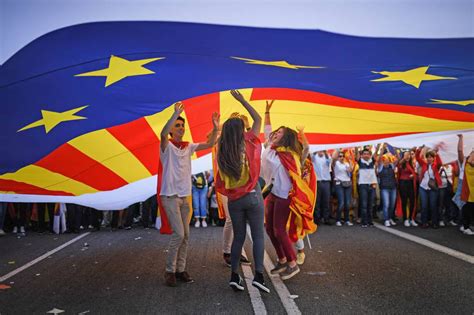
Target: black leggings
[
  {"x": 467, "y": 214},
  {"x": 407, "y": 191}
]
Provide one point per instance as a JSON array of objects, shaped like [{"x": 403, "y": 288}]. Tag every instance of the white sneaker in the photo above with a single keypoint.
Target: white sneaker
[
  {"x": 2, "y": 232},
  {"x": 204, "y": 223},
  {"x": 15, "y": 229},
  {"x": 22, "y": 229},
  {"x": 349, "y": 223},
  {"x": 197, "y": 224},
  {"x": 387, "y": 223},
  {"x": 441, "y": 224},
  {"x": 460, "y": 229},
  {"x": 452, "y": 223},
  {"x": 406, "y": 223},
  {"x": 393, "y": 222},
  {"x": 413, "y": 223},
  {"x": 468, "y": 232},
  {"x": 338, "y": 223}
]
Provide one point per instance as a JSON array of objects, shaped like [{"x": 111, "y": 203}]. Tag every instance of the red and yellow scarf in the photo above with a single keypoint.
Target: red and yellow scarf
[{"x": 303, "y": 194}]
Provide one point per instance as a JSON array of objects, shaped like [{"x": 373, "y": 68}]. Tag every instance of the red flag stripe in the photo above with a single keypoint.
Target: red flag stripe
[
  {"x": 327, "y": 138},
  {"x": 320, "y": 98},
  {"x": 22, "y": 188},
  {"x": 138, "y": 137},
  {"x": 199, "y": 114},
  {"x": 70, "y": 162}
]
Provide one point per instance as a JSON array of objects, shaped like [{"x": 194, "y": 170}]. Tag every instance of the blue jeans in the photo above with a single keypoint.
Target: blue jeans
[
  {"x": 323, "y": 196},
  {"x": 429, "y": 205},
  {"x": 200, "y": 202},
  {"x": 344, "y": 197},
  {"x": 388, "y": 199},
  {"x": 366, "y": 202}
]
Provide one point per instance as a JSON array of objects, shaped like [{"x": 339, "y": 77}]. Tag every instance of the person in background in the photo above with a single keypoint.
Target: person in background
[
  {"x": 343, "y": 186},
  {"x": 199, "y": 191},
  {"x": 467, "y": 195},
  {"x": 3, "y": 212},
  {"x": 407, "y": 188},
  {"x": 18, "y": 213},
  {"x": 388, "y": 187},
  {"x": 430, "y": 181},
  {"x": 367, "y": 183},
  {"x": 322, "y": 166},
  {"x": 213, "y": 211}
]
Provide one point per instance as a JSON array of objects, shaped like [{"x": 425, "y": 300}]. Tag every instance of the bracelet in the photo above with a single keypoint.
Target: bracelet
[{"x": 267, "y": 112}]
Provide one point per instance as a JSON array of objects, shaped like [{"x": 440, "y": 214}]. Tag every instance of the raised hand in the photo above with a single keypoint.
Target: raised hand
[
  {"x": 269, "y": 105},
  {"x": 236, "y": 94},
  {"x": 246, "y": 121},
  {"x": 300, "y": 129},
  {"x": 216, "y": 117},
  {"x": 178, "y": 107}
]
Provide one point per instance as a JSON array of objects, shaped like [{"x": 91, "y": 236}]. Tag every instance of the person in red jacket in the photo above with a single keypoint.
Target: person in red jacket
[
  {"x": 430, "y": 180},
  {"x": 407, "y": 188}
]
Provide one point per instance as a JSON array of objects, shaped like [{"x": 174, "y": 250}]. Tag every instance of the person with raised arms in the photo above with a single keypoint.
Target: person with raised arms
[{"x": 175, "y": 156}]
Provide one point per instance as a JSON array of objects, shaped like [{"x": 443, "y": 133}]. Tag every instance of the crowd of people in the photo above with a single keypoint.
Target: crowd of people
[{"x": 278, "y": 188}]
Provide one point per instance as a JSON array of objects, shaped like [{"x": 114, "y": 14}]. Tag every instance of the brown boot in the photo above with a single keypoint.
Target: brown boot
[
  {"x": 184, "y": 277},
  {"x": 170, "y": 279}
]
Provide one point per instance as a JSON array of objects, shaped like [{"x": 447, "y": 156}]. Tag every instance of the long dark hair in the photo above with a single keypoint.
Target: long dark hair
[
  {"x": 290, "y": 140},
  {"x": 230, "y": 147},
  {"x": 403, "y": 163}
]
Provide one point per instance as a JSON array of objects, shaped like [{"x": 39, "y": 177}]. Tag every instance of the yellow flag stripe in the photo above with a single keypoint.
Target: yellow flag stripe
[
  {"x": 103, "y": 147},
  {"x": 43, "y": 178}
]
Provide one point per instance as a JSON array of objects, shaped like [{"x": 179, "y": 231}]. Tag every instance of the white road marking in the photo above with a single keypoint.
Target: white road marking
[
  {"x": 285, "y": 296},
  {"x": 42, "y": 257},
  {"x": 424, "y": 242},
  {"x": 255, "y": 297}
]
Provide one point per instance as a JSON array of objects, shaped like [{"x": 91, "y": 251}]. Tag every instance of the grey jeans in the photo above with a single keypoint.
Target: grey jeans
[
  {"x": 178, "y": 212},
  {"x": 248, "y": 208}
]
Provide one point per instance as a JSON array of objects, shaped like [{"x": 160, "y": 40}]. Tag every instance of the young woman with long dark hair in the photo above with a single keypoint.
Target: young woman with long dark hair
[{"x": 238, "y": 159}]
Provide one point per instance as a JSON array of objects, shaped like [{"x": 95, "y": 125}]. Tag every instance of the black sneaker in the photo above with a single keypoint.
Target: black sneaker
[
  {"x": 236, "y": 282},
  {"x": 279, "y": 267},
  {"x": 244, "y": 261},
  {"x": 259, "y": 283},
  {"x": 184, "y": 277},
  {"x": 227, "y": 259}
]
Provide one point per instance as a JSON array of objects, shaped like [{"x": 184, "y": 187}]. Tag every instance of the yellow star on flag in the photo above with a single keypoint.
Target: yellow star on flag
[
  {"x": 120, "y": 68},
  {"x": 281, "y": 63},
  {"x": 52, "y": 119},
  {"x": 412, "y": 77},
  {"x": 462, "y": 103}
]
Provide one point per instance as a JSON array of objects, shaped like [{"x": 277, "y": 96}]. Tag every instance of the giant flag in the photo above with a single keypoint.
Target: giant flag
[{"x": 82, "y": 107}]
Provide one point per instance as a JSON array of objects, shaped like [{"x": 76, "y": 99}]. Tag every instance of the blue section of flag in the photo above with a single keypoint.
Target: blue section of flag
[{"x": 197, "y": 61}]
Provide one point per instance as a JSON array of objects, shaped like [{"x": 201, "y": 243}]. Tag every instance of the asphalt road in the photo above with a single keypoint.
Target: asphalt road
[{"x": 349, "y": 270}]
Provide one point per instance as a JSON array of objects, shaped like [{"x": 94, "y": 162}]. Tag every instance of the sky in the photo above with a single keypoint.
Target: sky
[{"x": 22, "y": 21}]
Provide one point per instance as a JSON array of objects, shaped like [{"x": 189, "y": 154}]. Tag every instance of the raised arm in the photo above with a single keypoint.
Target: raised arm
[
  {"x": 178, "y": 109},
  {"x": 460, "y": 148},
  {"x": 304, "y": 141},
  {"x": 267, "y": 128},
  {"x": 257, "y": 119},
  {"x": 212, "y": 138}
]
